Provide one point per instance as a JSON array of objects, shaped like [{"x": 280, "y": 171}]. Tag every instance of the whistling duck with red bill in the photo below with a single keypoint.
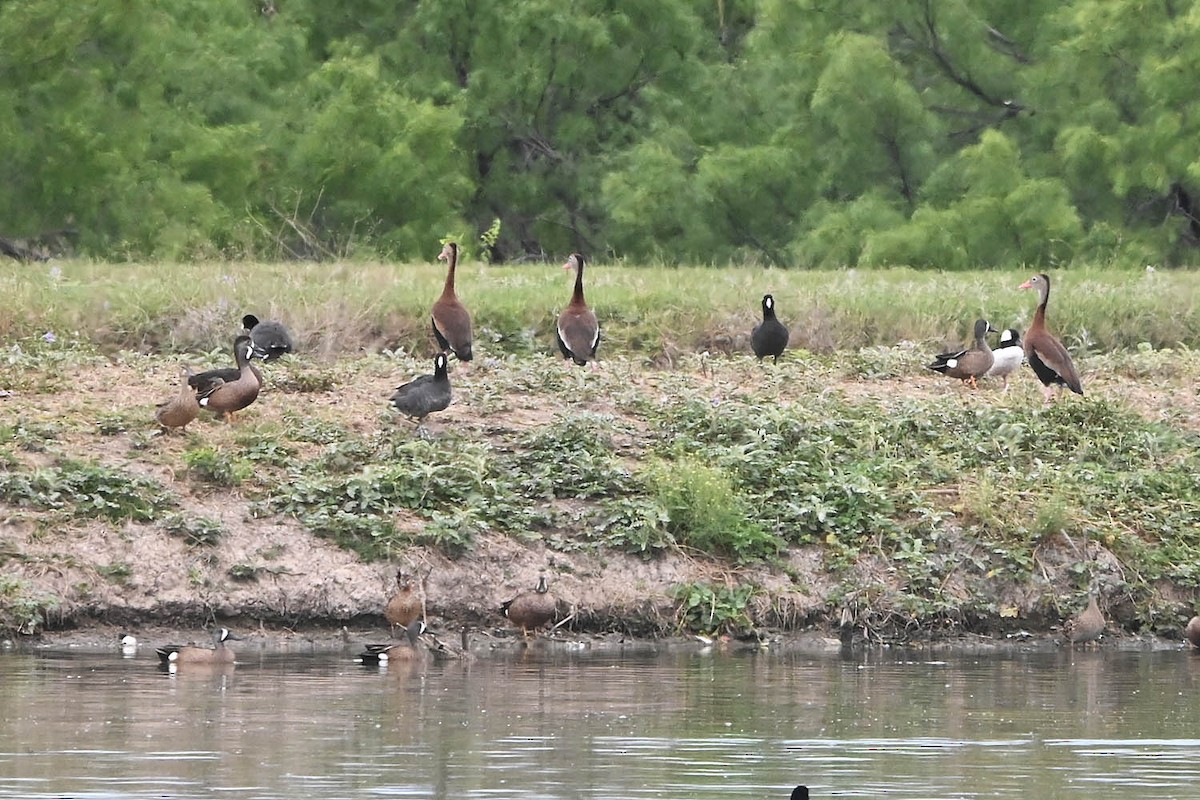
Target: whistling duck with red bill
[
  {"x": 971, "y": 364},
  {"x": 1050, "y": 360},
  {"x": 451, "y": 320},
  {"x": 578, "y": 328}
]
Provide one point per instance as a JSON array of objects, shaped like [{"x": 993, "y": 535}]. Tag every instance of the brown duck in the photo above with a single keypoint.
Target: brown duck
[
  {"x": 531, "y": 610},
  {"x": 181, "y": 409},
  {"x": 971, "y": 364},
  {"x": 191, "y": 654},
  {"x": 1192, "y": 631},
  {"x": 578, "y": 329},
  {"x": 1087, "y": 625},
  {"x": 225, "y": 391},
  {"x": 404, "y": 608},
  {"x": 451, "y": 320},
  {"x": 1050, "y": 360}
]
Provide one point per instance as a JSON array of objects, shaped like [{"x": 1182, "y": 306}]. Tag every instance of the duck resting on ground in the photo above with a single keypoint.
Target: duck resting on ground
[
  {"x": 578, "y": 329},
  {"x": 1008, "y": 357},
  {"x": 769, "y": 337},
  {"x": 271, "y": 339},
  {"x": 426, "y": 394},
  {"x": 1049, "y": 358},
  {"x": 451, "y": 320},
  {"x": 971, "y": 364}
]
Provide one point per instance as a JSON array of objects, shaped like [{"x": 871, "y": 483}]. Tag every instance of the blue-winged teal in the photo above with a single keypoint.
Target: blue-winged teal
[
  {"x": 971, "y": 364},
  {"x": 1050, "y": 360},
  {"x": 226, "y": 392},
  {"x": 422, "y": 396},
  {"x": 191, "y": 654},
  {"x": 1192, "y": 631},
  {"x": 1008, "y": 357},
  {"x": 181, "y": 409},
  {"x": 531, "y": 610},
  {"x": 1087, "y": 625},
  {"x": 578, "y": 328},
  {"x": 451, "y": 320},
  {"x": 270, "y": 338},
  {"x": 770, "y": 336},
  {"x": 402, "y": 651},
  {"x": 404, "y": 607}
]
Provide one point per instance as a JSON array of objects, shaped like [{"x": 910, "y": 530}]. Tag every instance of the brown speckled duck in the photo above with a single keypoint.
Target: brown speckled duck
[
  {"x": 451, "y": 320},
  {"x": 1050, "y": 360},
  {"x": 1087, "y": 625},
  {"x": 225, "y": 391},
  {"x": 181, "y": 409},
  {"x": 578, "y": 329},
  {"x": 531, "y": 610},
  {"x": 971, "y": 364},
  {"x": 191, "y": 654},
  {"x": 404, "y": 607},
  {"x": 1192, "y": 631}
]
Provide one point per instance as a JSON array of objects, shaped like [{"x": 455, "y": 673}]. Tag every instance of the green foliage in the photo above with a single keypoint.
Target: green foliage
[
  {"x": 714, "y": 609},
  {"x": 22, "y": 610},
  {"x": 196, "y": 531},
  {"x": 86, "y": 490},
  {"x": 216, "y": 467}
]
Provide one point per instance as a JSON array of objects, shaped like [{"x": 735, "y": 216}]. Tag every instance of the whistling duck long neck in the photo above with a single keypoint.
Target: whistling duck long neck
[
  {"x": 1039, "y": 316},
  {"x": 577, "y": 295},
  {"x": 452, "y": 259}
]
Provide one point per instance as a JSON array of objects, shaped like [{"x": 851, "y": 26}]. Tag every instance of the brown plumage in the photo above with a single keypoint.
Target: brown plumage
[
  {"x": 1087, "y": 625},
  {"x": 531, "y": 610},
  {"x": 971, "y": 364},
  {"x": 578, "y": 328},
  {"x": 404, "y": 607},
  {"x": 180, "y": 409},
  {"x": 1192, "y": 631},
  {"x": 451, "y": 320},
  {"x": 191, "y": 654},
  {"x": 1050, "y": 360},
  {"x": 227, "y": 390}
]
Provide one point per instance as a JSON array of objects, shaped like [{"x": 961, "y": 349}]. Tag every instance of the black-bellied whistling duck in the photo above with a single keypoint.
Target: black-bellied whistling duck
[
  {"x": 180, "y": 409},
  {"x": 191, "y": 654},
  {"x": 271, "y": 339},
  {"x": 451, "y": 320},
  {"x": 531, "y": 610},
  {"x": 1050, "y": 360},
  {"x": 422, "y": 396},
  {"x": 1192, "y": 631},
  {"x": 224, "y": 396},
  {"x": 578, "y": 328},
  {"x": 1008, "y": 357},
  {"x": 971, "y": 364},
  {"x": 770, "y": 336},
  {"x": 1087, "y": 625}
]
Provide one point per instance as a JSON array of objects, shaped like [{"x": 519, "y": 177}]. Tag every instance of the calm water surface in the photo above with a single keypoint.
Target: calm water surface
[{"x": 552, "y": 723}]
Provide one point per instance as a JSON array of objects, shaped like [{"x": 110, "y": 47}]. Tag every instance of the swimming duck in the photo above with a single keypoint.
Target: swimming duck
[
  {"x": 226, "y": 394},
  {"x": 970, "y": 364},
  {"x": 191, "y": 654},
  {"x": 451, "y": 320},
  {"x": 1008, "y": 357},
  {"x": 402, "y": 651},
  {"x": 1050, "y": 360},
  {"x": 181, "y": 409},
  {"x": 422, "y": 396},
  {"x": 271, "y": 339},
  {"x": 1192, "y": 631},
  {"x": 404, "y": 607},
  {"x": 1087, "y": 625},
  {"x": 578, "y": 329},
  {"x": 129, "y": 644},
  {"x": 770, "y": 336},
  {"x": 531, "y": 610}
]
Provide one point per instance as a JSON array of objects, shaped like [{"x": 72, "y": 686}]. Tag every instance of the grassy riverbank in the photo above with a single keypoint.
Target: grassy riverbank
[{"x": 847, "y": 488}]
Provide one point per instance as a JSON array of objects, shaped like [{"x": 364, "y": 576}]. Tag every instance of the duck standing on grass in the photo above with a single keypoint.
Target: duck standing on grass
[
  {"x": 770, "y": 336},
  {"x": 578, "y": 329},
  {"x": 271, "y": 339},
  {"x": 1050, "y": 360},
  {"x": 424, "y": 395},
  {"x": 451, "y": 320},
  {"x": 226, "y": 391},
  {"x": 1008, "y": 357},
  {"x": 181, "y": 409},
  {"x": 970, "y": 364}
]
